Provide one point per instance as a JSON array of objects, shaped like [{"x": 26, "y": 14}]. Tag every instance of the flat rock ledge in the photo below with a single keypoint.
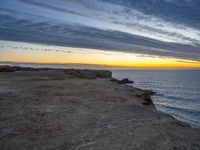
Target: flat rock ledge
[{"x": 63, "y": 109}]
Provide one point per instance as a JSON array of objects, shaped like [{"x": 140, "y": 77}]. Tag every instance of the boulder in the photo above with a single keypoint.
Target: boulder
[
  {"x": 125, "y": 81},
  {"x": 150, "y": 92},
  {"x": 147, "y": 99},
  {"x": 114, "y": 80}
]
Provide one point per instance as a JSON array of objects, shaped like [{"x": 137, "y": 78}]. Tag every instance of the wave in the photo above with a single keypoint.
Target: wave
[
  {"x": 179, "y": 109},
  {"x": 176, "y": 98},
  {"x": 188, "y": 116}
]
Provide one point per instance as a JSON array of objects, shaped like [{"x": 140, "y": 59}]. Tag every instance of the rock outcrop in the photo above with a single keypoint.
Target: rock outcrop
[
  {"x": 89, "y": 74},
  {"x": 122, "y": 81},
  {"x": 79, "y": 73},
  {"x": 146, "y": 96},
  {"x": 125, "y": 81},
  {"x": 16, "y": 68}
]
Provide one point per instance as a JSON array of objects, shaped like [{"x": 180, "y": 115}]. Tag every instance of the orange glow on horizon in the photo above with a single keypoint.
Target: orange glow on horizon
[{"x": 89, "y": 56}]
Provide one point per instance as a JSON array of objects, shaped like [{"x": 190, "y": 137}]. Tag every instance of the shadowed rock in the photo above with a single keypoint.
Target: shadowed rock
[
  {"x": 147, "y": 99},
  {"x": 89, "y": 74},
  {"x": 83, "y": 74},
  {"x": 123, "y": 81},
  {"x": 16, "y": 68}
]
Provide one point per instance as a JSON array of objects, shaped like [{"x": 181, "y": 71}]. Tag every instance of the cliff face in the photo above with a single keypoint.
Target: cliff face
[
  {"x": 83, "y": 74},
  {"x": 52, "y": 109},
  {"x": 89, "y": 74}
]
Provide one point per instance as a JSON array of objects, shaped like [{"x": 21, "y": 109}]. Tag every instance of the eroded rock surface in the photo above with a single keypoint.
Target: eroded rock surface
[
  {"x": 79, "y": 73},
  {"x": 52, "y": 110}
]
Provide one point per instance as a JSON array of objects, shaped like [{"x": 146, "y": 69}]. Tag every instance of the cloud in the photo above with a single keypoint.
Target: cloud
[{"x": 108, "y": 25}]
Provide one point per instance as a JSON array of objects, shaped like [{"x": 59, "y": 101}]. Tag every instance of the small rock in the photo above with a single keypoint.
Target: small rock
[
  {"x": 147, "y": 99},
  {"x": 150, "y": 92},
  {"x": 114, "y": 80},
  {"x": 124, "y": 81}
]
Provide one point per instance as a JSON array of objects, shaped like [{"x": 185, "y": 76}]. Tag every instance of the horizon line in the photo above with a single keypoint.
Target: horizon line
[{"x": 99, "y": 66}]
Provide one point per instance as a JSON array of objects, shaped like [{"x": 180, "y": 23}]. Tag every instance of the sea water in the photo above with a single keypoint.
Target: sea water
[{"x": 177, "y": 91}]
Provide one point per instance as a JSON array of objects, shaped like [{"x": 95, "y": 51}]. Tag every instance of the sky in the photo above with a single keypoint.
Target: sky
[{"x": 125, "y": 33}]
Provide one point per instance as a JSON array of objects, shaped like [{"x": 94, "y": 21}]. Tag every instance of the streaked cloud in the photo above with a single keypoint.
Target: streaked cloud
[{"x": 106, "y": 25}]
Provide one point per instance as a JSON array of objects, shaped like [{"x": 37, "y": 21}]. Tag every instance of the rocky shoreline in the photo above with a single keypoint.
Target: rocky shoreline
[{"x": 45, "y": 108}]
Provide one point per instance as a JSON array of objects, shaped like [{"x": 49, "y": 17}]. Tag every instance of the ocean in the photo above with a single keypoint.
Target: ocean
[{"x": 177, "y": 91}]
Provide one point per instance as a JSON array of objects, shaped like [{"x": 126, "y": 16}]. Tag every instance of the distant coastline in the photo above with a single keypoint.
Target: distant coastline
[{"x": 83, "y": 66}]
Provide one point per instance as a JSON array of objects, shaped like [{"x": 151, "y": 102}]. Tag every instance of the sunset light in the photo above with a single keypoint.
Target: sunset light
[
  {"x": 99, "y": 74},
  {"x": 29, "y": 53}
]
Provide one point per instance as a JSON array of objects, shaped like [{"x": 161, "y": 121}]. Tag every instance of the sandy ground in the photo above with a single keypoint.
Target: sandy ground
[{"x": 49, "y": 110}]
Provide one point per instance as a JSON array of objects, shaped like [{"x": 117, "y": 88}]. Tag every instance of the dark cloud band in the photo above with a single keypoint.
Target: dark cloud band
[{"x": 26, "y": 26}]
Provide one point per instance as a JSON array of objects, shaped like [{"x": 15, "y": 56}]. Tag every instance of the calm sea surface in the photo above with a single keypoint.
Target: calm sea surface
[{"x": 177, "y": 91}]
